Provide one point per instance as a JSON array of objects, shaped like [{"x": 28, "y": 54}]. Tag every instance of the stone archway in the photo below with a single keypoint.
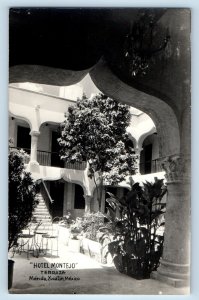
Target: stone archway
[
  {"x": 174, "y": 267},
  {"x": 161, "y": 113}
]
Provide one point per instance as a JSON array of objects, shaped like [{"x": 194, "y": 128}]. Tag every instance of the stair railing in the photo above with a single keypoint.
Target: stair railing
[{"x": 46, "y": 196}]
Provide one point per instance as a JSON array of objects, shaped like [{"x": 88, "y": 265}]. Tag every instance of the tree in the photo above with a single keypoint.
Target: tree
[
  {"x": 95, "y": 131},
  {"x": 22, "y": 196}
]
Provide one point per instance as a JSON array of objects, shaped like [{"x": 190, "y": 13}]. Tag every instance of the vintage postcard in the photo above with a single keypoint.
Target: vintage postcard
[{"x": 99, "y": 151}]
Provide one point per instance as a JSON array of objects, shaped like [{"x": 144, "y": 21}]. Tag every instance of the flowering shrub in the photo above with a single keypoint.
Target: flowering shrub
[
  {"x": 76, "y": 227},
  {"x": 22, "y": 196},
  {"x": 66, "y": 220},
  {"x": 91, "y": 224}
]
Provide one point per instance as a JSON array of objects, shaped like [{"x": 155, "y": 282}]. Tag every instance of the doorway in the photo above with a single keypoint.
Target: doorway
[
  {"x": 57, "y": 194},
  {"x": 24, "y": 138},
  {"x": 55, "y": 148}
]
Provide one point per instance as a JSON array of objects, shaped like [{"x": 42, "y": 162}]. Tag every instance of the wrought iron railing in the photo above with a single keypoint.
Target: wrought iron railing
[
  {"x": 46, "y": 158},
  {"x": 76, "y": 166},
  {"x": 149, "y": 167}
]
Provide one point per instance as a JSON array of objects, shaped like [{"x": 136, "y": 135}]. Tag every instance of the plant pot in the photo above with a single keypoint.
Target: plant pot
[
  {"x": 137, "y": 268},
  {"x": 91, "y": 248},
  {"x": 132, "y": 267},
  {"x": 10, "y": 272},
  {"x": 120, "y": 263},
  {"x": 64, "y": 234},
  {"x": 74, "y": 245}
]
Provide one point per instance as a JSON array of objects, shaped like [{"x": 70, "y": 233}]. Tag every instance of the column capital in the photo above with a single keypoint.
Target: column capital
[
  {"x": 87, "y": 198},
  {"x": 138, "y": 150},
  {"x": 34, "y": 133},
  {"x": 176, "y": 167}
]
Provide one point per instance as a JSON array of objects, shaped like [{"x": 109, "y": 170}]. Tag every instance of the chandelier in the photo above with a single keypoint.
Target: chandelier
[{"x": 143, "y": 43}]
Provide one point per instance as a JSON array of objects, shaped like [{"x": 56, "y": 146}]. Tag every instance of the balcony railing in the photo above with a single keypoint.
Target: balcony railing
[
  {"x": 149, "y": 167},
  {"x": 52, "y": 159}
]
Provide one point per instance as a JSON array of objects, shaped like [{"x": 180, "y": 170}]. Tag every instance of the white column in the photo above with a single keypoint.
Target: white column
[
  {"x": 137, "y": 152},
  {"x": 33, "y": 151},
  {"x": 12, "y": 131},
  {"x": 65, "y": 203}
]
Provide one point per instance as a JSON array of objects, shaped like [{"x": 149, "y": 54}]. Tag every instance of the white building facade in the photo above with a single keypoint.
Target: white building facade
[{"x": 35, "y": 113}]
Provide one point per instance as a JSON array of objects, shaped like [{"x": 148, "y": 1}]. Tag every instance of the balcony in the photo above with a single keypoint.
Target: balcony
[
  {"x": 52, "y": 159},
  {"x": 150, "y": 167}
]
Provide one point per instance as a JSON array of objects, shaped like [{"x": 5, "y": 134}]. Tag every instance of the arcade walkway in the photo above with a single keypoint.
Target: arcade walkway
[{"x": 88, "y": 277}]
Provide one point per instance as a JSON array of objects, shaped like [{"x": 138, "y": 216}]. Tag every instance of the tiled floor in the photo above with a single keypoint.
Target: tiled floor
[{"x": 75, "y": 273}]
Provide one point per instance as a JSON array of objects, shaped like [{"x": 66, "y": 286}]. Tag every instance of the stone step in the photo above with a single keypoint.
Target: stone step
[
  {"x": 41, "y": 216},
  {"x": 42, "y": 211},
  {"x": 41, "y": 204},
  {"x": 41, "y": 207},
  {"x": 40, "y": 199},
  {"x": 43, "y": 224},
  {"x": 43, "y": 220}
]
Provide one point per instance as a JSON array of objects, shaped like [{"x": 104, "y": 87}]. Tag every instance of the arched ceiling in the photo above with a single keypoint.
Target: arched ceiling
[
  {"x": 160, "y": 112},
  {"x": 69, "y": 39},
  {"x": 60, "y": 46}
]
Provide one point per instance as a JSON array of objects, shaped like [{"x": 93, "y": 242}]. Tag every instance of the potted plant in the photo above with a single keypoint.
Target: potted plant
[
  {"x": 136, "y": 220},
  {"x": 64, "y": 228},
  {"x": 91, "y": 225},
  {"x": 75, "y": 232},
  {"x": 21, "y": 201}
]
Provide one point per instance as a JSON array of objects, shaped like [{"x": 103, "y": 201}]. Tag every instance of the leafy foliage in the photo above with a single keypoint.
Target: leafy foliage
[
  {"x": 137, "y": 218},
  {"x": 66, "y": 220},
  {"x": 22, "y": 196},
  {"x": 91, "y": 225},
  {"x": 95, "y": 131}
]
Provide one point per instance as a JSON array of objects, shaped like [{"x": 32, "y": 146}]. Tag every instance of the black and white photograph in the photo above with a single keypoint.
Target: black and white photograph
[{"x": 99, "y": 159}]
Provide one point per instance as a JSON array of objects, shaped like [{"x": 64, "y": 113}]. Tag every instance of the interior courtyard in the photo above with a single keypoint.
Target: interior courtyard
[{"x": 47, "y": 77}]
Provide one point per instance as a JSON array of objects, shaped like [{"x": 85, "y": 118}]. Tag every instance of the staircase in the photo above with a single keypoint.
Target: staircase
[{"x": 41, "y": 214}]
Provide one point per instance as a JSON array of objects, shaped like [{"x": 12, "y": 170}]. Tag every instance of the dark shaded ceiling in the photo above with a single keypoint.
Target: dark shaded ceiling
[
  {"x": 73, "y": 39},
  {"x": 59, "y": 46}
]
